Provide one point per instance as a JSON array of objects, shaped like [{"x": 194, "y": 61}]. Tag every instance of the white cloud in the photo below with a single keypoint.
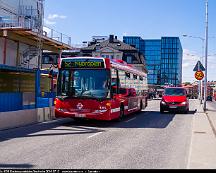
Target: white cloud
[
  {"x": 56, "y": 16},
  {"x": 48, "y": 22},
  {"x": 124, "y": 34},
  {"x": 188, "y": 63},
  {"x": 185, "y": 65}
]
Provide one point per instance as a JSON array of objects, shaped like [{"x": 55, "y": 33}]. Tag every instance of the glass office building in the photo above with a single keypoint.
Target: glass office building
[{"x": 163, "y": 59}]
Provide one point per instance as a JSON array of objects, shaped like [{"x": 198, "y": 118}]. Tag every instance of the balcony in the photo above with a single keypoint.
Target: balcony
[{"x": 30, "y": 23}]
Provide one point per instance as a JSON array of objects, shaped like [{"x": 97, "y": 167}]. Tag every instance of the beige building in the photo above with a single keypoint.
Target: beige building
[{"x": 115, "y": 49}]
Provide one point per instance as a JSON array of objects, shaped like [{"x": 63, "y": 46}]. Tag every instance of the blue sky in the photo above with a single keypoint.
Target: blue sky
[{"x": 150, "y": 19}]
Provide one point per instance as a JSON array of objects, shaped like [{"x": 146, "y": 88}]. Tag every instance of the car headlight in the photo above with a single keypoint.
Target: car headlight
[
  {"x": 163, "y": 102},
  {"x": 183, "y": 103}
]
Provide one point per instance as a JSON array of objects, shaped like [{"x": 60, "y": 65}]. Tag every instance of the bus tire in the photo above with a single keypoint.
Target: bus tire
[
  {"x": 121, "y": 113},
  {"x": 141, "y": 106}
]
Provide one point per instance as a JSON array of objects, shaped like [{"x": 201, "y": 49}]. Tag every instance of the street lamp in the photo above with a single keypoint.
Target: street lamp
[
  {"x": 206, "y": 55},
  {"x": 201, "y": 60}
]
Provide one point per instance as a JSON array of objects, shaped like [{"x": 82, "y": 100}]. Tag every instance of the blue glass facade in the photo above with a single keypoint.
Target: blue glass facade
[{"x": 163, "y": 58}]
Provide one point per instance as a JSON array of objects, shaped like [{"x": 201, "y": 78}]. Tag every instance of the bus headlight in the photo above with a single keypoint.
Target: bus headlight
[{"x": 102, "y": 109}]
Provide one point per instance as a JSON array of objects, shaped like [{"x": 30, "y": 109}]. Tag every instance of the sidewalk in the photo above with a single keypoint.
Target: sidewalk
[{"x": 203, "y": 145}]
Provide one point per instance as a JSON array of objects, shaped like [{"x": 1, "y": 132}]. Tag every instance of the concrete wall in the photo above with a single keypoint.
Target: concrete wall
[{"x": 25, "y": 117}]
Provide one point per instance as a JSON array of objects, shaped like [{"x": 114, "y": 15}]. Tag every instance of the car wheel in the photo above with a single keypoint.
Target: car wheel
[
  {"x": 186, "y": 111},
  {"x": 161, "y": 110}
]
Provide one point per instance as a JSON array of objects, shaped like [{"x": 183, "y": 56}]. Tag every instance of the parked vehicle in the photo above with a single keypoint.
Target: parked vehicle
[{"x": 174, "y": 98}]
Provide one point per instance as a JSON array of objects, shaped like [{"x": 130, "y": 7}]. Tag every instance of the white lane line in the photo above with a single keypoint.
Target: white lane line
[
  {"x": 130, "y": 119},
  {"x": 94, "y": 135},
  {"x": 191, "y": 143}
]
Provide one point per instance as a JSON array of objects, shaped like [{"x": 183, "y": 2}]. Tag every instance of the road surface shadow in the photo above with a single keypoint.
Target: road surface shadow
[
  {"x": 45, "y": 129},
  {"x": 147, "y": 119},
  {"x": 211, "y": 110},
  {"x": 12, "y": 166}
]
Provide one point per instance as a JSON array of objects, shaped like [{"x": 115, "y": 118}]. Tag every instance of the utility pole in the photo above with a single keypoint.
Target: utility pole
[{"x": 206, "y": 55}]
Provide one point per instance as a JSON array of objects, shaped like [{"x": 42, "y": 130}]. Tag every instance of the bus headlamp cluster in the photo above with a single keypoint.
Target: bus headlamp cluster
[{"x": 102, "y": 109}]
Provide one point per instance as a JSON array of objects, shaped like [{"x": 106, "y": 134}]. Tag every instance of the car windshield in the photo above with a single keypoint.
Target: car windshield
[
  {"x": 84, "y": 83},
  {"x": 174, "y": 92}
]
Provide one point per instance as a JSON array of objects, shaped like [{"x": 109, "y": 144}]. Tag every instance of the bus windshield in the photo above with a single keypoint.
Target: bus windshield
[{"x": 86, "y": 83}]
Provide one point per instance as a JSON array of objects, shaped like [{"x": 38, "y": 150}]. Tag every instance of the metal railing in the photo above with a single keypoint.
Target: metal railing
[
  {"x": 31, "y": 23},
  {"x": 58, "y": 36}
]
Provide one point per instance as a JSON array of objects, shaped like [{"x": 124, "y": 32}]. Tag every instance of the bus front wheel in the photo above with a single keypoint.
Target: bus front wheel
[{"x": 121, "y": 113}]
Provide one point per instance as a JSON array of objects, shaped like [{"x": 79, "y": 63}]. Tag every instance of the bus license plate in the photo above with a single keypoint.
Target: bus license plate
[
  {"x": 80, "y": 115},
  {"x": 172, "y": 107}
]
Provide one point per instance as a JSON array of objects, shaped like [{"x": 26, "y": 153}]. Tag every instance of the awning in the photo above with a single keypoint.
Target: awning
[
  {"x": 15, "y": 69},
  {"x": 29, "y": 37}
]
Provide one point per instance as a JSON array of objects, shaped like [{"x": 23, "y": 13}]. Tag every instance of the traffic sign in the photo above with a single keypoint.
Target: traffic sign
[
  {"x": 199, "y": 67},
  {"x": 199, "y": 75}
]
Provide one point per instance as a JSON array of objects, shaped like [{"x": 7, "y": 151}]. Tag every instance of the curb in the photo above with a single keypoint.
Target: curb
[{"x": 211, "y": 124}]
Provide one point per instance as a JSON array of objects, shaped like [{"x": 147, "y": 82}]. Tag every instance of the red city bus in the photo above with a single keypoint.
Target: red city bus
[{"x": 99, "y": 88}]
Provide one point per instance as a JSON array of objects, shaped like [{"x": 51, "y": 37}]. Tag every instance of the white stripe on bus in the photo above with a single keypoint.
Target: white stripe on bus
[
  {"x": 132, "y": 109},
  {"x": 115, "y": 110}
]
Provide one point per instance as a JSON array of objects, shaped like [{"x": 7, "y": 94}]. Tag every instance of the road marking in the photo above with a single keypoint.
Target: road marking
[
  {"x": 94, "y": 135},
  {"x": 191, "y": 143},
  {"x": 130, "y": 119}
]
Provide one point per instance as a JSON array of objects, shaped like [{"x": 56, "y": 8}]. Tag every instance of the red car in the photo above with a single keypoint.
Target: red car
[{"x": 174, "y": 98}]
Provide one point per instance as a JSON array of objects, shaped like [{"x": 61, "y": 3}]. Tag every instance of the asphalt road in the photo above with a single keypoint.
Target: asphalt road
[{"x": 145, "y": 140}]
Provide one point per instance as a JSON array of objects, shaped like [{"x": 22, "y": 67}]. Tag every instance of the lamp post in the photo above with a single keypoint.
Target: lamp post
[
  {"x": 201, "y": 60},
  {"x": 206, "y": 55}
]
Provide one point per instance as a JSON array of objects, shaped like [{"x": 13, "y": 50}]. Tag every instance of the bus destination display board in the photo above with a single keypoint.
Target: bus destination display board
[{"x": 82, "y": 63}]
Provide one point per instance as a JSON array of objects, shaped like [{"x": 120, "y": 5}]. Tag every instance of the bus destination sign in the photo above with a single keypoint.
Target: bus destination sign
[{"x": 82, "y": 63}]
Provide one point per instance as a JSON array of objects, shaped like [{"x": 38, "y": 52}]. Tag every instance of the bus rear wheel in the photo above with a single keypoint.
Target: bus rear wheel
[{"x": 141, "y": 106}]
